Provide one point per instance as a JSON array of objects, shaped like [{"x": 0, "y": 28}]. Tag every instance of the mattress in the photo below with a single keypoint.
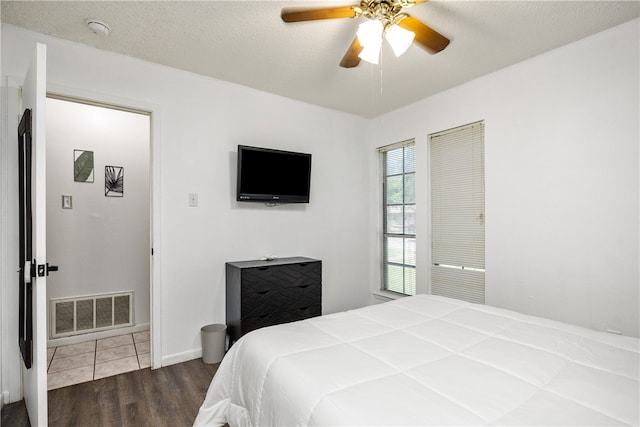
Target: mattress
[{"x": 426, "y": 360}]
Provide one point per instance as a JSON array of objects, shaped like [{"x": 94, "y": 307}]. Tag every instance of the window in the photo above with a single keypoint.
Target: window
[
  {"x": 399, "y": 218},
  {"x": 457, "y": 213}
]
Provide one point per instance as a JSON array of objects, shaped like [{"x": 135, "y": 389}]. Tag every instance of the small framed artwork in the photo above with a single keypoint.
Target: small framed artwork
[
  {"x": 82, "y": 166},
  {"x": 66, "y": 202},
  {"x": 114, "y": 181}
]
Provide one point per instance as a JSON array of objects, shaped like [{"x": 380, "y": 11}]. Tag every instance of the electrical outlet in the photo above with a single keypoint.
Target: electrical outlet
[{"x": 193, "y": 200}]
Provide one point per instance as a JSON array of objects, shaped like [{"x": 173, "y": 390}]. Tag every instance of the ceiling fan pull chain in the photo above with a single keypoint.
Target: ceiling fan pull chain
[{"x": 380, "y": 67}]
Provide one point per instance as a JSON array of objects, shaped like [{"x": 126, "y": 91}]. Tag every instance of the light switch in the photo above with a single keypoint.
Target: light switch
[{"x": 193, "y": 200}]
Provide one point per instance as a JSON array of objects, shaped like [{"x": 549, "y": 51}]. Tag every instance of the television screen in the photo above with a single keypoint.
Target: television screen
[{"x": 268, "y": 175}]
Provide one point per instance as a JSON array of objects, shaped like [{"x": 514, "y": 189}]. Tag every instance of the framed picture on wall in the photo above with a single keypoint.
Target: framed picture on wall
[
  {"x": 114, "y": 181},
  {"x": 82, "y": 166}
]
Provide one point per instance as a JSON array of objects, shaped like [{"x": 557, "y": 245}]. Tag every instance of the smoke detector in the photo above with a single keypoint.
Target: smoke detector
[{"x": 98, "y": 27}]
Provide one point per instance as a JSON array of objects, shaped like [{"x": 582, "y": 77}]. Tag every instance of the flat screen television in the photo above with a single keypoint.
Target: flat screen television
[{"x": 272, "y": 176}]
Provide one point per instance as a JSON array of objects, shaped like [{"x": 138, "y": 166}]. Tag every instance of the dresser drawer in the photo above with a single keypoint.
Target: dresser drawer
[
  {"x": 280, "y": 300},
  {"x": 256, "y": 322},
  {"x": 281, "y": 276},
  {"x": 299, "y": 297},
  {"x": 270, "y": 319}
]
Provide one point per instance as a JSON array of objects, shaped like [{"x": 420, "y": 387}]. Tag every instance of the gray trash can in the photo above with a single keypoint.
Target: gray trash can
[{"x": 213, "y": 342}]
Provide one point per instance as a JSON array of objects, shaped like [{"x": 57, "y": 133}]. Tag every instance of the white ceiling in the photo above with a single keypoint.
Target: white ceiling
[{"x": 247, "y": 43}]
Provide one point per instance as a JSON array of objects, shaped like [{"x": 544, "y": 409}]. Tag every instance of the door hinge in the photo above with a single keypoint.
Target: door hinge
[{"x": 28, "y": 271}]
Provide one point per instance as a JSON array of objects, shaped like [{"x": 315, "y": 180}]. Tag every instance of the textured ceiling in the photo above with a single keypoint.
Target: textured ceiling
[{"x": 246, "y": 42}]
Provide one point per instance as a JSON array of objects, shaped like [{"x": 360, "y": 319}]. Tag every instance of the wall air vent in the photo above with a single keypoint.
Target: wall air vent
[{"x": 92, "y": 313}]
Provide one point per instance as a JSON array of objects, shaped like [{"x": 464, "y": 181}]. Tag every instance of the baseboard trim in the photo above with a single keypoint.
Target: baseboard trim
[{"x": 185, "y": 356}]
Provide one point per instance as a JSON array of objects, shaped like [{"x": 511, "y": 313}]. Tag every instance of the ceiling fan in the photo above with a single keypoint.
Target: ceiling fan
[{"x": 386, "y": 20}]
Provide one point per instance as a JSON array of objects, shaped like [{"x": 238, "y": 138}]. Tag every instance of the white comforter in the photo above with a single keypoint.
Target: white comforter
[{"x": 426, "y": 360}]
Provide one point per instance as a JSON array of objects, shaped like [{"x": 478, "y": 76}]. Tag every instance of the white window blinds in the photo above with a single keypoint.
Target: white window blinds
[{"x": 457, "y": 213}]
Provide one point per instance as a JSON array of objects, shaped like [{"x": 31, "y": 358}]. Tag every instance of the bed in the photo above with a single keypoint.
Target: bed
[{"x": 426, "y": 360}]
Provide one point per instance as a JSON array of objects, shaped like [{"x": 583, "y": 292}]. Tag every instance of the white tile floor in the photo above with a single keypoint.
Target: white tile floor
[{"x": 92, "y": 360}]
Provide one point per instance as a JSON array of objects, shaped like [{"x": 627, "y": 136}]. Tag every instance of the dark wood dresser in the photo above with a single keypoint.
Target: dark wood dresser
[{"x": 265, "y": 293}]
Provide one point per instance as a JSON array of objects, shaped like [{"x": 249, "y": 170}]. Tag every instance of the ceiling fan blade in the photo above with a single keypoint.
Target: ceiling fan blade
[
  {"x": 297, "y": 15},
  {"x": 351, "y": 58},
  {"x": 430, "y": 39}
]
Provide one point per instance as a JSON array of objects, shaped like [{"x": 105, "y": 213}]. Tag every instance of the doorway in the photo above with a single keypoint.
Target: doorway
[{"x": 99, "y": 228}]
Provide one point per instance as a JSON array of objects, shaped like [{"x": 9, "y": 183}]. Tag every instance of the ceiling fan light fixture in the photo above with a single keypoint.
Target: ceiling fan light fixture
[
  {"x": 370, "y": 37},
  {"x": 399, "y": 39},
  {"x": 371, "y": 54},
  {"x": 384, "y": 19}
]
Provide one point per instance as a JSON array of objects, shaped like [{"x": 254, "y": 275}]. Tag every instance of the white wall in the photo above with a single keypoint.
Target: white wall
[
  {"x": 200, "y": 122},
  {"x": 562, "y": 184},
  {"x": 102, "y": 244}
]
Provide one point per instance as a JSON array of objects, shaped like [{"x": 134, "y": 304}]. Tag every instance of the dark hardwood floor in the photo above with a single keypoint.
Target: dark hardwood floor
[
  {"x": 169, "y": 396},
  {"x": 15, "y": 415}
]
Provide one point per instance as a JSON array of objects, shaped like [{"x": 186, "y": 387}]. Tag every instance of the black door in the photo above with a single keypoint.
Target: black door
[{"x": 27, "y": 267}]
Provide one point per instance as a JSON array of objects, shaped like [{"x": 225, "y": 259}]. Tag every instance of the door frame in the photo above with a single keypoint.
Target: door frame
[
  {"x": 11, "y": 107},
  {"x": 153, "y": 110}
]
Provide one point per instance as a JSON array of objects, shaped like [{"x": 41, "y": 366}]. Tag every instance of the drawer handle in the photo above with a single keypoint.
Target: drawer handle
[
  {"x": 304, "y": 308},
  {"x": 303, "y": 286},
  {"x": 303, "y": 264},
  {"x": 263, "y": 292},
  {"x": 264, "y": 316},
  {"x": 263, "y": 268}
]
